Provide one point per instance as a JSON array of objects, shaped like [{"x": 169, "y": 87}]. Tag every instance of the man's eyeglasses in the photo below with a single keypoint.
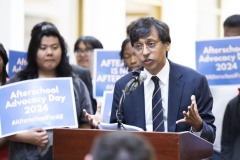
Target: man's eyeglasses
[
  {"x": 151, "y": 45},
  {"x": 86, "y": 51}
]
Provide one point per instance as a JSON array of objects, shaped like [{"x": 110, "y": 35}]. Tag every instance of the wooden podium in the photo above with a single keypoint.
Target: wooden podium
[{"x": 74, "y": 144}]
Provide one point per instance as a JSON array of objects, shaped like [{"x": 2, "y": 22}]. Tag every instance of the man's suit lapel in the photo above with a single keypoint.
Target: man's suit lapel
[
  {"x": 137, "y": 101},
  {"x": 175, "y": 94},
  {"x": 139, "y": 106}
]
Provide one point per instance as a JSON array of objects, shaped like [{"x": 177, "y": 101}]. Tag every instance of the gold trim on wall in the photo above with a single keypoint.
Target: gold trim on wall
[{"x": 80, "y": 17}]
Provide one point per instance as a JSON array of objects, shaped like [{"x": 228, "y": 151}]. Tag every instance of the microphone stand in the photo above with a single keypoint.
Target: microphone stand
[
  {"x": 128, "y": 90},
  {"x": 119, "y": 112}
]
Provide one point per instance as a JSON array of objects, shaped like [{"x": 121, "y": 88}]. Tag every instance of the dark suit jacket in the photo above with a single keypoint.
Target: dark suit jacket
[
  {"x": 230, "y": 143},
  {"x": 85, "y": 75},
  {"x": 183, "y": 82}
]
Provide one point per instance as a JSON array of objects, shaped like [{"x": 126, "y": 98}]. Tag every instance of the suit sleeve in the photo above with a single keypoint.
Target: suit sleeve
[
  {"x": 226, "y": 145},
  {"x": 205, "y": 104},
  {"x": 116, "y": 98},
  {"x": 88, "y": 82},
  {"x": 82, "y": 99},
  {"x": 85, "y": 75},
  {"x": 89, "y": 85}
]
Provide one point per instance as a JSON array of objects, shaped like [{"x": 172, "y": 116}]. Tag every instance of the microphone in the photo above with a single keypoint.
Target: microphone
[{"x": 137, "y": 80}]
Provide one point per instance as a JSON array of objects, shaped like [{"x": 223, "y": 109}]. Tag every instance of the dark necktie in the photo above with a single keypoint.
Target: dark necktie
[{"x": 157, "y": 109}]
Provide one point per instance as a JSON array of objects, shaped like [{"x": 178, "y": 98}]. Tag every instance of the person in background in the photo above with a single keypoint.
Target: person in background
[
  {"x": 184, "y": 107},
  {"x": 47, "y": 58},
  {"x": 230, "y": 141},
  {"x": 121, "y": 146},
  {"x": 231, "y": 26},
  {"x": 83, "y": 50},
  {"x": 3, "y": 80},
  {"x": 128, "y": 56}
]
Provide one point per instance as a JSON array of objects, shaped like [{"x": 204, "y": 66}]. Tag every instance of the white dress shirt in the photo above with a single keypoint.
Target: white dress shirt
[{"x": 163, "y": 76}]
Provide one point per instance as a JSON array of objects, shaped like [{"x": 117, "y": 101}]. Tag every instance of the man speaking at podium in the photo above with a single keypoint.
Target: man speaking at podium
[{"x": 184, "y": 98}]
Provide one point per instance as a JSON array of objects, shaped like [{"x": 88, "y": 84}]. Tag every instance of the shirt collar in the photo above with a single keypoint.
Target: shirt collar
[{"x": 163, "y": 75}]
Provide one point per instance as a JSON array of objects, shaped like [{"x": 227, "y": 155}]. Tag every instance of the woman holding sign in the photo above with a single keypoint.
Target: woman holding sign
[
  {"x": 47, "y": 58},
  {"x": 3, "y": 80}
]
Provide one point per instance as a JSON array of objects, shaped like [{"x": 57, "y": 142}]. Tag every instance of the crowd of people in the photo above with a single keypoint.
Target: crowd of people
[{"x": 183, "y": 107}]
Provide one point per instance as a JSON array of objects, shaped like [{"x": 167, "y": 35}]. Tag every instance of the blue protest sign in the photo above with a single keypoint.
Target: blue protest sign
[
  {"x": 107, "y": 105},
  {"x": 219, "y": 60},
  {"x": 17, "y": 61},
  {"x": 108, "y": 69},
  {"x": 40, "y": 103}
]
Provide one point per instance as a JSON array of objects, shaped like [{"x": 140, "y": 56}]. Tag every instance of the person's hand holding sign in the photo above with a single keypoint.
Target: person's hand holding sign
[{"x": 37, "y": 136}]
